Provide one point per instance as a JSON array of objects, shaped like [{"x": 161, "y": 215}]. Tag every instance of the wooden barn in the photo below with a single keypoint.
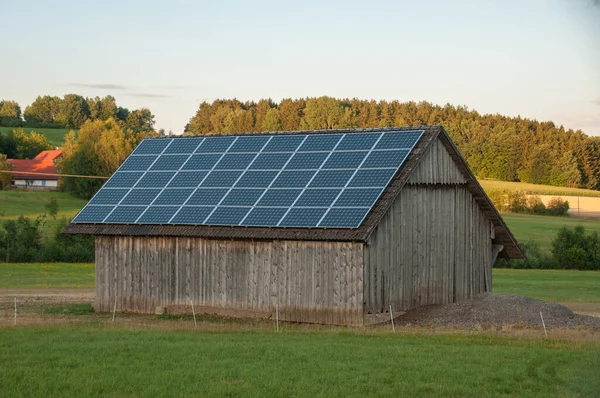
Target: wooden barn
[{"x": 331, "y": 226}]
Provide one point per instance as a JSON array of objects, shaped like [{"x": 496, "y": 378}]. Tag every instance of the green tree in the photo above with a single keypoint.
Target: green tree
[
  {"x": 140, "y": 120},
  {"x": 10, "y": 114},
  {"x": 74, "y": 111},
  {"x": 322, "y": 113},
  {"x": 5, "y": 175},
  {"x": 29, "y": 144},
  {"x": 272, "y": 120},
  {"x": 52, "y": 207},
  {"x": 43, "y": 112}
]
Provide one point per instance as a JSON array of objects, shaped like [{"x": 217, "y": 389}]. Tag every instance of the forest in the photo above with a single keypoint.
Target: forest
[{"x": 495, "y": 146}]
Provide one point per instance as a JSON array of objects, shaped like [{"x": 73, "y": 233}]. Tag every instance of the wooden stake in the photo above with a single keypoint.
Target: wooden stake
[
  {"x": 392, "y": 320},
  {"x": 277, "y": 316},
  {"x": 194, "y": 314},
  {"x": 114, "y": 309},
  {"x": 15, "y": 321},
  {"x": 544, "y": 325}
]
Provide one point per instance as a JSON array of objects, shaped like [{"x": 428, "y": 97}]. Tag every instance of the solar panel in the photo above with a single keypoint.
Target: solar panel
[{"x": 301, "y": 180}]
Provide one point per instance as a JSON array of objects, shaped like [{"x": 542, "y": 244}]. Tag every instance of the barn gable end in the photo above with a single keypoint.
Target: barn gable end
[{"x": 434, "y": 233}]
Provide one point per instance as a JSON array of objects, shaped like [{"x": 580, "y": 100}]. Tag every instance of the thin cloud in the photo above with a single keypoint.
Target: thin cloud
[
  {"x": 101, "y": 86},
  {"x": 148, "y": 95}
]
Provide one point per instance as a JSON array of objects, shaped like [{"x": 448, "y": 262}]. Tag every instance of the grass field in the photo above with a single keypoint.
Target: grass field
[
  {"x": 53, "y": 275},
  {"x": 15, "y": 203},
  {"x": 55, "y": 136},
  {"x": 543, "y": 229},
  {"x": 537, "y": 189},
  {"x": 92, "y": 362}
]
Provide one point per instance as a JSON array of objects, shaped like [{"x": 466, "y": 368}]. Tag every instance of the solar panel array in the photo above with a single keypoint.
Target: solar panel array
[{"x": 318, "y": 180}]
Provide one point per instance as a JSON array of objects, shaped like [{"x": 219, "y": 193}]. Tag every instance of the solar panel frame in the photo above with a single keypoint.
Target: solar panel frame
[{"x": 338, "y": 152}]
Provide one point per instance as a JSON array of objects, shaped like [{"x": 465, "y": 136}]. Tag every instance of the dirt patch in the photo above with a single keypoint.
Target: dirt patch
[{"x": 498, "y": 310}]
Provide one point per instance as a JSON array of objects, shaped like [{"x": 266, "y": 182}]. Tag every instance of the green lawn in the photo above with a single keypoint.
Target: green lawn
[
  {"x": 15, "y": 203},
  {"x": 55, "y": 136},
  {"x": 537, "y": 189},
  {"x": 543, "y": 229},
  {"x": 53, "y": 275},
  {"x": 88, "y": 362},
  {"x": 552, "y": 285}
]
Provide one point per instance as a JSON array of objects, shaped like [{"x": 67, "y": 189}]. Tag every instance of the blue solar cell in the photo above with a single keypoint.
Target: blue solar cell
[
  {"x": 221, "y": 178},
  {"x": 317, "y": 197},
  {"x": 187, "y": 179},
  {"x": 307, "y": 160},
  {"x": 264, "y": 216},
  {"x": 399, "y": 139},
  {"x": 158, "y": 215},
  {"x": 227, "y": 215},
  {"x": 385, "y": 159},
  {"x": 331, "y": 178},
  {"x": 242, "y": 197},
  {"x": 169, "y": 162},
  {"x": 279, "y": 197},
  {"x": 249, "y": 144},
  {"x": 202, "y": 162},
  {"x": 320, "y": 142},
  {"x": 358, "y": 197},
  {"x": 140, "y": 196},
  {"x": 215, "y": 144},
  {"x": 207, "y": 197},
  {"x": 155, "y": 179},
  {"x": 270, "y": 161},
  {"x": 236, "y": 161},
  {"x": 123, "y": 180},
  {"x": 109, "y": 196},
  {"x": 372, "y": 178},
  {"x": 359, "y": 141},
  {"x": 187, "y": 145},
  {"x": 342, "y": 217},
  {"x": 151, "y": 146},
  {"x": 284, "y": 143},
  {"x": 191, "y": 215},
  {"x": 345, "y": 160},
  {"x": 93, "y": 214},
  {"x": 173, "y": 197},
  {"x": 303, "y": 217},
  {"x": 125, "y": 214},
  {"x": 256, "y": 179},
  {"x": 134, "y": 163},
  {"x": 293, "y": 179}
]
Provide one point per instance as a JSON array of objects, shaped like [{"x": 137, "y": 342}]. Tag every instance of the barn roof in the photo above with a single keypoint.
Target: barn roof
[
  {"x": 39, "y": 168},
  {"x": 364, "y": 226}
]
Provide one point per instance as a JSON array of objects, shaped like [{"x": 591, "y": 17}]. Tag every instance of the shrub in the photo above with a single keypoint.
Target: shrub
[
  {"x": 535, "y": 259},
  {"x": 535, "y": 205},
  {"x": 498, "y": 198},
  {"x": 574, "y": 249},
  {"x": 517, "y": 202},
  {"x": 557, "y": 207}
]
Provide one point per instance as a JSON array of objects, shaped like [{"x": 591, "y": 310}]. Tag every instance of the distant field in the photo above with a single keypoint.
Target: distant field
[
  {"x": 537, "y": 189},
  {"x": 15, "y": 203},
  {"x": 55, "y": 136},
  {"x": 543, "y": 229},
  {"x": 43, "y": 276}
]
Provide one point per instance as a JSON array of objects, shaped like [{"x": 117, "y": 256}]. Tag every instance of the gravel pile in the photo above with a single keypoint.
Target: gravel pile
[{"x": 497, "y": 310}]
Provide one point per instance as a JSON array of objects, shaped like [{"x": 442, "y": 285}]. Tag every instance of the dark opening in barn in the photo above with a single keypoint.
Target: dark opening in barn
[{"x": 331, "y": 226}]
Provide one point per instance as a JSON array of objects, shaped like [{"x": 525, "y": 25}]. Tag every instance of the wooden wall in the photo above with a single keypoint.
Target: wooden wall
[
  {"x": 311, "y": 281},
  {"x": 433, "y": 246}
]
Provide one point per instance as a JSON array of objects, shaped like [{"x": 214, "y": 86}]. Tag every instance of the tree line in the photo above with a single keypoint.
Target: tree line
[
  {"x": 71, "y": 112},
  {"x": 494, "y": 146}
]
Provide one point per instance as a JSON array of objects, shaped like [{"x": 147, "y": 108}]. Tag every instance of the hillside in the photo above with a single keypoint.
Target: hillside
[
  {"x": 55, "y": 136},
  {"x": 537, "y": 189}
]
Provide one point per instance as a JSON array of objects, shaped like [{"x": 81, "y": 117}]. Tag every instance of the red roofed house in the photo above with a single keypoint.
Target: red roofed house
[{"x": 37, "y": 173}]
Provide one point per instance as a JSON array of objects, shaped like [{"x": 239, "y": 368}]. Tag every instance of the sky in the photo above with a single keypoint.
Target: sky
[{"x": 534, "y": 58}]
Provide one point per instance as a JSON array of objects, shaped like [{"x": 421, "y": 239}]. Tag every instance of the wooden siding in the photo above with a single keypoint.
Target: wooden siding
[
  {"x": 311, "y": 281},
  {"x": 437, "y": 167},
  {"x": 432, "y": 247}
]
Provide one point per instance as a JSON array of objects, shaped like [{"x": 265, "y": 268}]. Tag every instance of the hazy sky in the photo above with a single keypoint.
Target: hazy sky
[{"x": 534, "y": 58}]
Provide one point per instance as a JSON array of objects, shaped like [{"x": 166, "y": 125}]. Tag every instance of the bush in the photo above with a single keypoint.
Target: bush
[
  {"x": 517, "y": 202},
  {"x": 574, "y": 249},
  {"x": 535, "y": 205},
  {"x": 498, "y": 198},
  {"x": 557, "y": 207},
  {"x": 535, "y": 259}
]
